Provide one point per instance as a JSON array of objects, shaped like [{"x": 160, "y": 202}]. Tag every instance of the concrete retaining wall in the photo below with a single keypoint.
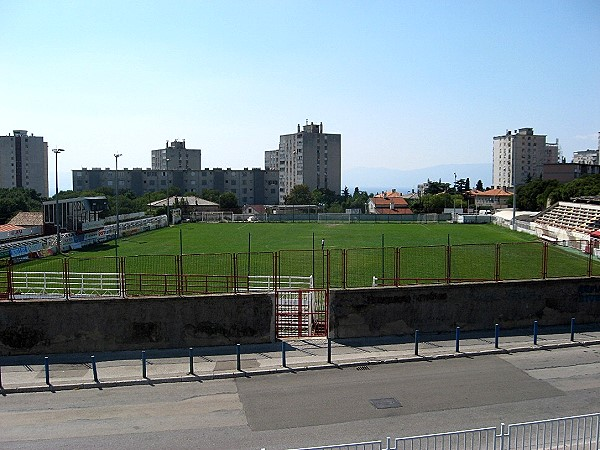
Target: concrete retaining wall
[
  {"x": 473, "y": 306},
  {"x": 87, "y": 326},
  {"x": 53, "y": 326}
]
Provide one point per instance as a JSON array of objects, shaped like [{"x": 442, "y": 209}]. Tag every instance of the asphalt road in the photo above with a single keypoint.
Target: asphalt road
[{"x": 310, "y": 408}]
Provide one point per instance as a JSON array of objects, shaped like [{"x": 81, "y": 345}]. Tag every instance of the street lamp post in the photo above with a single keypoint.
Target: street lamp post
[
  {"x": 454, "y": 207},
  {"x": 117, "y": 155},
  {"x": 56, "y": 151},
  {"x": 168, "y": 221}
]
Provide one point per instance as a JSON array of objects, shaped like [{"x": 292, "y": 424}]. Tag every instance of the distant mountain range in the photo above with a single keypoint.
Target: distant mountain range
[{"x": 374, "y": 180}]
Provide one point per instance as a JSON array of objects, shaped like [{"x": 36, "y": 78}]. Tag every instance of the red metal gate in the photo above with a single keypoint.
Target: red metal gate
[{"x": 301, "y": 312}]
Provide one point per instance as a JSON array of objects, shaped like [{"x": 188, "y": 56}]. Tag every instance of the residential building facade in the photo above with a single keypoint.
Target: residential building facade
[
  {"x": 175, "y": 156},
  {"x": 569, "y": 171},
  {"x": 24, "y": 162},
  {"x": 586, "y": 157},
  {"x": 272, "y": 159},
  {"x": 309, "y": 157},
  {"x": 251, "y": 186},
  {"x": 528, "y": 151},
  {"x": 492, "y": 198}
]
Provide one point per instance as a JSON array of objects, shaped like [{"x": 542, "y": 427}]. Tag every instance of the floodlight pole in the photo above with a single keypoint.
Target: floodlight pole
[
  {"x": 323, "y": 262},
  {"x": 117, "y": 155},
  {"x": 56, "y": 151},
  {"x": 514, "y": 183},
  {"x": 168, "y": 221}
]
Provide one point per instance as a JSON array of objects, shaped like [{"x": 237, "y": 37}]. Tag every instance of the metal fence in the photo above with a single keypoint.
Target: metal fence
[
  {"x": 180, "y": 275},
  {"x": 575, "y": 432}
]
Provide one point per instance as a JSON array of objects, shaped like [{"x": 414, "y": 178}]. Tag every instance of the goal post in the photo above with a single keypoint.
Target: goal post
[{"x": 334, "y": 218}]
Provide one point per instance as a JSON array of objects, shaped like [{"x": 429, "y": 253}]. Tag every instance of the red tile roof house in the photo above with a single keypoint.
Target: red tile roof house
[
  {"x": 497, "y": 198},
  {"x": 388, "y": 203},
  {"x": 26, "y": 224}
]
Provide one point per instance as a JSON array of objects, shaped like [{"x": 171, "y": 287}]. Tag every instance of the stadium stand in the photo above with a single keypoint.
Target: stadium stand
[{"x": 578, "y": 217}]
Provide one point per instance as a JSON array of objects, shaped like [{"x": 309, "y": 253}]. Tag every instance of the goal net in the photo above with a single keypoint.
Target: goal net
[
  {"x": 213, "y": 216},
  {"x": 336, "y": 218}
]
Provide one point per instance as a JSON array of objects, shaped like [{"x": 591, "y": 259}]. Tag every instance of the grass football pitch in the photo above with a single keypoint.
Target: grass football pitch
[
  {"x": 196, "y": 238},
  {"x": 412, "y": 253}
]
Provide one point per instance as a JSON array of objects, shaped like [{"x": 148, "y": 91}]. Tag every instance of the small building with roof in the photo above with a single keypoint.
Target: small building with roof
[
  {"x": 390, "y": 202},
  {"x": 24, "y": 224},
  {"x": 492, "y": 198},
  {"x": 190, "y": 205}
]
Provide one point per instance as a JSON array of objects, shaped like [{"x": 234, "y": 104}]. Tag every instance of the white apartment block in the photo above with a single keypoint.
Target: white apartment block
[
  {"x": 528, "y": 151},
  {"x": 589, "y": 157},
  {"x": 309, "y": 157},
  {"x": 175, "y": 156},
  {"x": 24, "y": 162},
  {"x": 272, "y": 160}
]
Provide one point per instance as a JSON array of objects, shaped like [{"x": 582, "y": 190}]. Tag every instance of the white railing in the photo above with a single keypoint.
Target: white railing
[
  {"x": 574, "y": 432},
  {"x": 267, "y": 282},
  {"x": 481, "y": 438},
  {"x": 53, "y": 284},
  {"x": 577, "y": 432},
  {"x": 373, "y": 445}
]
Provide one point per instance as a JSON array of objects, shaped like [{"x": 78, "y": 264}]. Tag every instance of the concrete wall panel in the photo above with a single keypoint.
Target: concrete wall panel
[
  {"x": 472, "y": 306},
  {"x": 51, "y": 326}
]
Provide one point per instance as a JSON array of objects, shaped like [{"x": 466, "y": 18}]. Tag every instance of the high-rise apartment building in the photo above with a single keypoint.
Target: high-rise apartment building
[
  {"x": 24, "y": 162},
  {"x": 176, "y": 157},
  {"x": 179, "y": 167},
  {"x": 272, "y": 160},
  {"x": 528, "y": 151},
  {"x": 309, "y": 157}
]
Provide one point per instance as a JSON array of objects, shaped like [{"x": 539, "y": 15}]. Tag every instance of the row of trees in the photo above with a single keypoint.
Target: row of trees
[
  {"x": 533, "y": 196},
  {"x": 14, "y": 200},
  {"x": 130, "y": 203},
  {"x": 461, "y": 186},
  {"x": 538, "y": 194},
  {"x": 327, "y": 199}
]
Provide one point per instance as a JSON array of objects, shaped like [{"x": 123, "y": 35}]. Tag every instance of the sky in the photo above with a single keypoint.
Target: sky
[{"x": 408, "y": 84}]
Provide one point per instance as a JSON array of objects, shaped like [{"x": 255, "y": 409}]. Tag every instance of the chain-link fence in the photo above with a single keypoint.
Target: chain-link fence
[{"x": 180, "y": 275}]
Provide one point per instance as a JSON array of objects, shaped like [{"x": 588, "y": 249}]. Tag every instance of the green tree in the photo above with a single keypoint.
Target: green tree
[
  {"x": 534, "y": 195},
  {"x": 325, "y": 196},
  {"x": 335, "y": 207},
  {"x": 584, "y": 186},
  {"x": 211, "y": 195},
  {"x": 358, "y": 200},
  {"x": 16, "y": 200},
  {"x": 479, "y": 185},
  {"x": 461, "y": 186},
  {"x": 345, "y": 194},
  {"x": 228, "y": 201},
  {"x": 436, "y": 187},
  {"x": 435, "y": 203},
  {"x": 299, "y": 195}
]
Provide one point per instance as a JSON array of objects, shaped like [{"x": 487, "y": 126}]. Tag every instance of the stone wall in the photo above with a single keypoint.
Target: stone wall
[
  {"x": 59, "y": 326},
  {"x": 95, "y": 325},
  {"x": 471, "y": 306}
]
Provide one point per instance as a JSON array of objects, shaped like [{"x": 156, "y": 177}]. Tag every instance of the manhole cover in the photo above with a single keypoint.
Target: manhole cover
[{"x": 385, "y": 403}]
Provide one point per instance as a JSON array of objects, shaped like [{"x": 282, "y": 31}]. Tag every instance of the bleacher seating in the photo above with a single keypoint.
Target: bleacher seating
[{"x": 581, "y": 217}]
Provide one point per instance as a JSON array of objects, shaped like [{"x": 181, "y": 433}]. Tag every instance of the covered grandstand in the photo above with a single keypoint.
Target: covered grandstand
[
  {"x": 571, "y": 222},
  {"x": 575, "y": 224}
]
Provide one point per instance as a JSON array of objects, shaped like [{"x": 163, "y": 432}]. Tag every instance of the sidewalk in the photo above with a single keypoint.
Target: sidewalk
[{"x": 28, "y": 373}]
